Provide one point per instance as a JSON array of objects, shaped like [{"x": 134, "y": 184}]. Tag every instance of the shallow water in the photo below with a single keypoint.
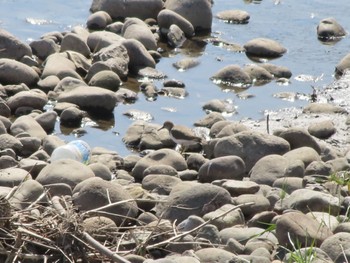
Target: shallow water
[{"x": 292, "y": 23}]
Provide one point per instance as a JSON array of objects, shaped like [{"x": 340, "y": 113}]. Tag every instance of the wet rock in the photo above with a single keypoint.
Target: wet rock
[
  {"x": 264, "y": 47},
  {"x": 323, "y": 108},
  {"x": 44, "y": 47},
  {"x": 11, "y": 47},
  {"x": 151, "y": 73},
  {"x": 306, "y": 200},
  {"x": 201, "y": 19},
  {"x": 305, "y": 154},
  {"x": 221, "y": 106},
  {"x": 277, "y": 71},
  {"x": 65, "y": 171},
  {"x": 226, "y": 167},
  {"x": 28, "y": 125},
  {"x": 139, "y": 57},
  {"x": 90, "y": 98},
  {"x": 135, "y": 28},
  {"x": 258, "y": 74},
  {"x": 329, "y": 28},
  {"x": 133, "y": 8},
  {"x": 59, "y": 65},
  {"x": 14, "y": 72},
  {"x": 234, "y": 16},
  {"x": 209, "y": 119},
  {"x": 35, "y": 99},
  {"x": 163, "y": 156},
  {"x": 232, "y": 75},
  {"x": 98, "y": 20},
  {"x": 47, "y": 120},
  {"x": 174, "y": 92},
  {"x": 95, "y": 193},
  {"x": 160, "y": 183},
  {"x": 241, "y": 144},
  {"x": 308, "y": 232},
  {"x": 100, "y": 170},
  {"x": 27, "y": 192},
  {"x": 322, "y": 130},
  {"x": 167, "y": 17},
  {"x": 299, "y": 137},
  {"x": 186, "y": 63},
  {"x": 175, "y": 36},
  {"x": 106, "y": 79},
  {"x": 199, "y": 200},
  {"x": 75, "y": 43},
  {"x": 232, "y": 218}
]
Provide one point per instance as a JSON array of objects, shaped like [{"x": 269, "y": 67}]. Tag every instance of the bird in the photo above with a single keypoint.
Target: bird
[{"x": 181, "y": 135}]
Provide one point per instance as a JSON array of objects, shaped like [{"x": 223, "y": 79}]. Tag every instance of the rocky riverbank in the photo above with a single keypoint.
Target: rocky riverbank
[{"x": 275, "y": 190}]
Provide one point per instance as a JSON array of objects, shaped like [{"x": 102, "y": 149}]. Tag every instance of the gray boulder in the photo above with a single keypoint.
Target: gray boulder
[
  {"x": 90, "y": 98},
  {"x": 34, "y": 98},
  {"x": 65, "y": 171},
  {"x": 135, "y": 28},
  {"x": 167, "y": 17},
  {"x": 138, "y": 54},
  {"x": 14, "y": 72},
  {"x": 306, "y": 200},
  {"x": 101, "y": 39},
  {"x": 250, "y": 146},
  {"x": 44, "y": 47},
  {"x": 11, "y": 47},
  {"x": 329, "y": 28},
  {"x": 234, "y": 16},
  {"x": 75, "y": 43},
  {"x": 13, "y": 176},
  {"x": 59, "y": 65},
  {"x": 98, "y": 20},
  {"x": 133, "y": 8},
  {"x": 163, "y": 156},
  {"x": 305, "y": 154},
  {"x": 197, "y": 12},
  {"x": 264, "y": 47},
  {"x": 197, "y": 200},
  {"x": 28, "y": 125},
  {"x": 300, "y": 228},
  {"x": 95, "y": 193},
  {"x": 226, "y": 167},
  {"x": 232, "y": 75}
]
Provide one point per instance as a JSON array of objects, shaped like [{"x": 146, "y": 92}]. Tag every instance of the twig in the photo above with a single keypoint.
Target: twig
[
  {"x": 58, "y": 206},
  {"x": 198, "y": 227},
  {"x": 103, "y": 250}
]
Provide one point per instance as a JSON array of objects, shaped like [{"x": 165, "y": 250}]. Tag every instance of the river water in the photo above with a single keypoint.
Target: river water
[{"x": 292, "y": 23}]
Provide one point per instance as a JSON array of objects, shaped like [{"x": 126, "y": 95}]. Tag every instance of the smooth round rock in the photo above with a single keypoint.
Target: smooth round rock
[
  {"x": 234, "y": 16},
  {"x": 106, "y": 79},
  {"x": 199, "y": 200},
  {"x": 305, "y": 154},
  {"x": 66, "y": 171},
  {"x": 226, "y": 167},
  {"x": 250, "y": 146},
  {"x": 133, "y": 8},
  {"x": 95, "y": 193},
  {"x": 264, "y": 47},
  {"x": 34, "y": 98},
  {"x": 44, "y": 47},
  {"x": 28, "y": 125},
  {"x": 322, "y": 130},
  {"x": 76, "y": 43},
  {"x": 14, "y": 72},
  {"x": 301, "y": 228},
  {"x": 13, "y": 176},
  {"x": 90, "y": 98},
  {"x": 329, "y": 28},
  {"x": 163, "y": 156},
  {"x": 160, "y": 183},
  {"x": 98, "y": 20},
  {"x": 232, "y": 75},
  {"x": 47, "y": 120},
  {"x": 11, "y": 47},
  {"x": 197, "y": 12},
  {"x": 167, "y": 17}
]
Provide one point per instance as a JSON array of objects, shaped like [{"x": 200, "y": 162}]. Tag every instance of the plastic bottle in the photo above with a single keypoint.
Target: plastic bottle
[{"x": 77, "y": 150}]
